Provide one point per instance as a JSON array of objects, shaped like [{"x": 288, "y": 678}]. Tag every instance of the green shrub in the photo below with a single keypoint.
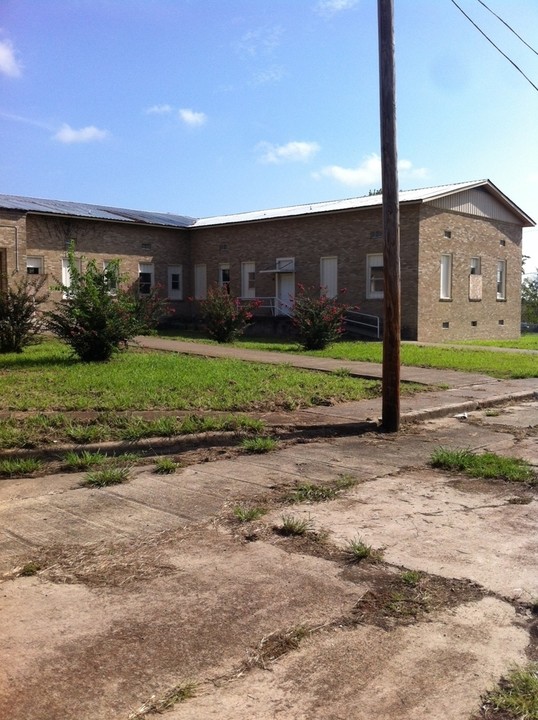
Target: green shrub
[
  {"x": 20, "y": 319},
  {"x": 318, "y": 319},
  {"x": 224, "y": 317},
  {"x": 97, "y": 317}
]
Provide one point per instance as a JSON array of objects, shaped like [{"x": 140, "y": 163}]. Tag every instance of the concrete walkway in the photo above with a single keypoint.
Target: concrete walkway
[{"x": 465, "y": 391}]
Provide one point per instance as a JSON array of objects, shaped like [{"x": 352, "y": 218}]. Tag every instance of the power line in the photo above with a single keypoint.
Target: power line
[
  {"x": 495, "y": 46},
  {"x": 509, "y": 27}
]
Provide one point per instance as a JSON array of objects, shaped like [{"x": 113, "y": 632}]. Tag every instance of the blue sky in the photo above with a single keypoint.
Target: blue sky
[{"x": 208, "y": 107}]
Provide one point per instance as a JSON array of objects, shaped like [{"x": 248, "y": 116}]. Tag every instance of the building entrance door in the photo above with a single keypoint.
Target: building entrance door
[{"x": 285, "y": 293}]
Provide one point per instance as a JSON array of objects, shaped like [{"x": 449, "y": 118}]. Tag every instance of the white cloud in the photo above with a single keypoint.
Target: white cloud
[
  {"x": 192, "y": 118},
  {"x": 9, "y": 65},
  {"x": 159, "y": 110},
  {"x": 260, "y": 41},
  {"x": 296, "y": 151},
  {"x": 68, "y": 135},
  {"x": 368, "y": 173},
  {"x": 273, "y": 74},
  {"x": 332, "y": 7}
]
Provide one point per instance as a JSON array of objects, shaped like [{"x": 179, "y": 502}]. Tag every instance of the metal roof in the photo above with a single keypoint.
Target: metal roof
[
  {"x": 102, "y": 212},
  {"x": 368, "y": 201},
  {"x": 94, "y": 212}
]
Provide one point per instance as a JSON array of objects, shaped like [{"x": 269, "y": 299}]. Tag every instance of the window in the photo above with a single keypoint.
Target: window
[
  {"x": 34, "y": 265},
  {"x": 446, "y": 325},
  {"x": 248, "y": 279},
  {"x": 113, "y": 277},
  {"x": 66, "y": 274},
  {"x": 175, "y": 282},
  {"x": 374, "y": 276},
  {"x": 200, "y": 281},
  {"x": 475, "y": 279},
  {"x": 501, "y": 280},
  {"x": 224, "y": 276},
  {"x": 328, "y": 275},
  {"x": 145, "y": 278},
  {"x": 476, "y": 266},
  {"x": 448, "y": 234},
  {"x": 446, "y": 277}
]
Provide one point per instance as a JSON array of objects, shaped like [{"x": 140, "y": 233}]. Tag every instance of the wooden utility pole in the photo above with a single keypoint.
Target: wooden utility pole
[{"x": 391, "y": 219}]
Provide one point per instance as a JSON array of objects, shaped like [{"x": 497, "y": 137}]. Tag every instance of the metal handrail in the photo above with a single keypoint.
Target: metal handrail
[
  {"x": 375, "y": 325},
  {"x": 276, "y": 306}
]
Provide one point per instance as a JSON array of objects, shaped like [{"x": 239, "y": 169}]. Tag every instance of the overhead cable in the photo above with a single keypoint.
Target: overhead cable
[
  {"x": 495, "y": 46},
  {"x": 508, "y": 26}
]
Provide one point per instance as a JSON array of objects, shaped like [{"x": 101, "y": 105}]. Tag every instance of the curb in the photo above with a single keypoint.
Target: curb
[{"x": 467, "y": 406}]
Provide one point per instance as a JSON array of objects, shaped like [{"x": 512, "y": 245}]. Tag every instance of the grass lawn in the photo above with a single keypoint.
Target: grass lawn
[
  {"x": 500, "y": 365},
  {"x": 45, "y": 378},
  {"x": 529, "y": 341}
]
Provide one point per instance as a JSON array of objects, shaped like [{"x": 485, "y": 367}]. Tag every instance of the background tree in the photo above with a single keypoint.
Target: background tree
[
  {"x": 529, "y": 299},
  {"x": 21, "y": 320}
]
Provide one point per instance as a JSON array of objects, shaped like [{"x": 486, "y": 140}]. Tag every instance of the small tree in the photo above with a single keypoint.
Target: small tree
[
  {"x": 20, "y": 318},
  {"x": 224, "y": 317},
  {"x": 319, "y": 320},
  {"x": 529, "y": 299},
  {"x": 96, "y": 317}
]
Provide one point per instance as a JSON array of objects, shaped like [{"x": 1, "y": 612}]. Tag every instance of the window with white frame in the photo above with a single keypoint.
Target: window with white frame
[
  {"x": 375, "y": 281},
  {"x": 446, "y": 277},
  {"x": 328, "y": 276},
  {"x": 475, "y": 266},
  {"x": 146, "y": 274},
  {"x": 501, "y": 280},
  {"x": 175, "y": 282},
  {"x": 66, "y": 272},
  {"x": 248, "y": 279},
  {"x": 475, "y": 279},
  {"x": 34, "y": 265},
  {"x": 200, "y": 281},
  {"x": 224, "y": 276},
  {"x": 111, "y": 267}
]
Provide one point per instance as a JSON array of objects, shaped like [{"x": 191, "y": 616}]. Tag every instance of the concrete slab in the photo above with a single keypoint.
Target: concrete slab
[
  {"x": 423, "y": 522},
  {"x": 436, "y": 670}
]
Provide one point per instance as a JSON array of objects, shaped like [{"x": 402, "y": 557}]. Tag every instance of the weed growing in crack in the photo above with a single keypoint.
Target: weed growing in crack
[
  {"x": 411, "y": 577},
  {"x": 485, "y": 465},
  {"x": 29, "y": 569},
  {"x": 166, "y": 466},
  {"x": 310, "y": 492},
  {"x": 248, "y": 514},
  {"x": 83, "y": 460},
  {"x": 106, "y": 477},
  {"x": 17, "y": 467},
  {"x": 517, "y": 693},
  {"x": 259, "y": 445},
  {"x": 293, "y": 525},
  {"x": 275, "y": 645},
  {"x": 357, "y": 550}
]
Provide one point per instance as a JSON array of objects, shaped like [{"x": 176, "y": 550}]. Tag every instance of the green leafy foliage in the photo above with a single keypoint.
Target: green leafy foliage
[
  {"x": 224, "y": 317},
  {"x": 529, "y": 299},
  {"x": 318, "y": 319},
  {"x": 20, "y": 319},
  {"x": 97, "y": 317}
]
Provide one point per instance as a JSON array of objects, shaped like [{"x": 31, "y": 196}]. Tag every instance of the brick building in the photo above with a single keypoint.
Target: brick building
[{"x": 460, "y": 254}]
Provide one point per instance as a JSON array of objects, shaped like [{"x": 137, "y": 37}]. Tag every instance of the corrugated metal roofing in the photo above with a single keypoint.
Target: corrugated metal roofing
[
  {"x": 406, "y": 196},
  {"x": 94, "y": 212},
  {"x": 102, "y": 212}
]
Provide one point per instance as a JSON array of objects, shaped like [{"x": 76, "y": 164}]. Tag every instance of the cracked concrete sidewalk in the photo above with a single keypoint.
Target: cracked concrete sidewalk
[{"x": 152, "y": 586}]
